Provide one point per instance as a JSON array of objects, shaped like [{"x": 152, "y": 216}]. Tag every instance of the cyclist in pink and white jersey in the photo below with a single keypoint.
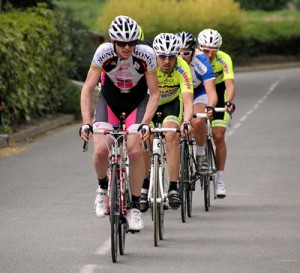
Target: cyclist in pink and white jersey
[{"x": 127, "y": 71}]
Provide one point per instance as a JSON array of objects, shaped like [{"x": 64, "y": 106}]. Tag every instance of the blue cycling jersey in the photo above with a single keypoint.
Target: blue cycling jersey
[{"x": 202, "y": 71}]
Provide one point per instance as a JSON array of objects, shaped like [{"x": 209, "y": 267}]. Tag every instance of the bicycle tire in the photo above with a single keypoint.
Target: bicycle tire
[
  {"x": 183, "y": 182},
  {"x": 206, "y": 193},
  {"x": 114, "y": 213},
  {"x": 192, "y": 182},
  {"x": 155, "y": 203},
  {"x": 161, "y": 211},
  {"x": 189, "y": 201}
]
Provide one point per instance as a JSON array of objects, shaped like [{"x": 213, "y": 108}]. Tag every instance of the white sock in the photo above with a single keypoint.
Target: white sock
[
  {"x": 200, "y": 150},
  {"x": 220, "y": 175}
]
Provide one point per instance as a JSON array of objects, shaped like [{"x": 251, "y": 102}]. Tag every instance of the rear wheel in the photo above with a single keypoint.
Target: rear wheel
[
  {"x": 183, "y": 179},
  {"x": 206, "y": 192},
  {"x": 155, "y": 209}
]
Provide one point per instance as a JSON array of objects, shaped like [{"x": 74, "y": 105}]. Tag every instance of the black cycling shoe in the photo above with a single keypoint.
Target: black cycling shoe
[
  {"x": 144, "y": 204},
  {"x": 174, "y": 199}
]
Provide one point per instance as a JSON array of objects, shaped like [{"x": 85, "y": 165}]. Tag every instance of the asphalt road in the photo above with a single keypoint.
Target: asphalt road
[{"x": 47, "y": 221}]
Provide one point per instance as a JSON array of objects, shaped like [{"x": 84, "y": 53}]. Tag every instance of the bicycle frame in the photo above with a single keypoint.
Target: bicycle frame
[
  {"x": 159, "y": 180},
  {"x": 210, "y": 153}
]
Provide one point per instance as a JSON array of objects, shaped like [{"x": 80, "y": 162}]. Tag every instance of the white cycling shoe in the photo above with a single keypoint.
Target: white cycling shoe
[
  {"x": 100, "y": 202},
  {"x": 134, "y": 220},
  {"x": 221, "y": 189}
]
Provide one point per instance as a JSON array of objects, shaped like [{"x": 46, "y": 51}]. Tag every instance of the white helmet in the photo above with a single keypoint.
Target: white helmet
[
  {"x": 124, "y": 29},
  {"x": 210, "y": 38},
  {"x": 167, "y": 43}
]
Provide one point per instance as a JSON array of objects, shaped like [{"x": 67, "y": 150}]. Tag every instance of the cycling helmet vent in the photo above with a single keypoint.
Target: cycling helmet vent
[
  {"x": 210, "y": 38},
  {"x": 187, "y": 39},
  {"x": 167, "y": 43},
  {"x": 124, "y": 29}
]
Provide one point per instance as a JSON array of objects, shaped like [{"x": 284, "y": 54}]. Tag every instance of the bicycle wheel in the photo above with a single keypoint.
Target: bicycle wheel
[
  {"x": 189, "y": 200},
  {"x": 155, "y": 208},
  {"x": 206, "y": 192},
  {"x": 114, "y": 213},
  {"x": 122, "y": 235},
  {"x": 183, "y": 179},
  {"x": 192, "y": 182},
  {"x": 123, "y": 222}
]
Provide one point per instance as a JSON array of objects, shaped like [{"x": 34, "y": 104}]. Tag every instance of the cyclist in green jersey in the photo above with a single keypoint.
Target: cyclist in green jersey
[
  {"x": 176, "y": 92},
  {"x": 210, "y": 41}
]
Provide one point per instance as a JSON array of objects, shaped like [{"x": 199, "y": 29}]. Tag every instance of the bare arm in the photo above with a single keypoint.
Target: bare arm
[
  {"x": 230, "y": 92},
  {"x": 211, "y": 92},
  {"x": 153, "y": 102},
  {"x": 86, "y": 95},
  {"x": 188, "y": 105}
]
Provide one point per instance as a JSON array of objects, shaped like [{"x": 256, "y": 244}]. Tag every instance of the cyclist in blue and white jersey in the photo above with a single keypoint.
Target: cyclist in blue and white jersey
[{"x": 205, "y": 96}]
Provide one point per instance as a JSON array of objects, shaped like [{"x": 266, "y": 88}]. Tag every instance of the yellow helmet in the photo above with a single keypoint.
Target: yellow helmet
[{"x": 141, "y": 36}]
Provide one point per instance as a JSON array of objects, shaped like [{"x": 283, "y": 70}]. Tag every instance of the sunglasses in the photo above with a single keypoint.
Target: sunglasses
[
  {"x": 209, "y": 50},
  {"x": 123, "y": 44},
  {"x": 186, "y": 53},
  {"x": 169, "y": 57}
]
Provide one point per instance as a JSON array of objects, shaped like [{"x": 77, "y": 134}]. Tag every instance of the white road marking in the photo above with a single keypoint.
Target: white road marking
[{"x": 255, "y": 106}]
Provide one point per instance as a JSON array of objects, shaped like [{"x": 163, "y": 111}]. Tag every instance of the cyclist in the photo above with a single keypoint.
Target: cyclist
[
  {"x": 205, "y": 96},
  {"x": 128, "y": 70},
  {"x": 176, "y": 93},
  {"x": 209, "y": 42}
]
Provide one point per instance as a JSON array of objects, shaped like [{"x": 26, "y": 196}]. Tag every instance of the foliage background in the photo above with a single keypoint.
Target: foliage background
[{"x": 41, "y": 49}]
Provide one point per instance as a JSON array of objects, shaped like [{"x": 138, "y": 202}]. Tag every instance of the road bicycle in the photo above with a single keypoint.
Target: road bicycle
[
  {"x": 188, "y": 173},
  {"x": 208, "y": 176},
  {"x": 159, "y": 178},
  {"x": 118, "y": 193}
]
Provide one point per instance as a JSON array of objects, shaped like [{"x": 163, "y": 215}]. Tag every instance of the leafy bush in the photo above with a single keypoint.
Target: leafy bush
[
  {"x": 34, "y": 52},
  {"x": 175, "y": 15}
]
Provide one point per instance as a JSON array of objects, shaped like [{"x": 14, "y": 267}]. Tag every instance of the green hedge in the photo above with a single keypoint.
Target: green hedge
[{"x": 37, "y": 53}]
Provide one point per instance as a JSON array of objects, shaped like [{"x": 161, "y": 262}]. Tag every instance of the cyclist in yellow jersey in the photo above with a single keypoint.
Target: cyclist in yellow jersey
[
  {"x": 210, "y": 41},
  {"x": 176, "y": 92}
]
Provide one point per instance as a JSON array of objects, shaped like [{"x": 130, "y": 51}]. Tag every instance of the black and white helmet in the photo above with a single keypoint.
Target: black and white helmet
[
  {"x": 167, "y": 43},
  {"x": 210, "y": 38},
  {"x": 124, "y": 29},
  {"x": 187, "y": 39}
]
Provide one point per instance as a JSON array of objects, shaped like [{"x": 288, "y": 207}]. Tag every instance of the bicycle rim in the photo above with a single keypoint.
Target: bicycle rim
[
  {"x": 182, "y": 179},
  {"x": 155, "y": 203},
  {"x": 114, "y": 215}
]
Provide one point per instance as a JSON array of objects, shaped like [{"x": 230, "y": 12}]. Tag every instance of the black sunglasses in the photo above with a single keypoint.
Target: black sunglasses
[{"x": 123, "y": 44}]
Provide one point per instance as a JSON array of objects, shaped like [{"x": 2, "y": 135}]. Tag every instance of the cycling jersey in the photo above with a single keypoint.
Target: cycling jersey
[
  {"x": 173, "y": 84},
  {"x": 202, "y": 71},
  {"x": 123, "y": 82},
  {"x": 222, "y": 66}
]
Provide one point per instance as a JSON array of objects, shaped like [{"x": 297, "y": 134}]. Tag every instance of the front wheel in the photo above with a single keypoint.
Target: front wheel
[{"x": 114, "y": 214}]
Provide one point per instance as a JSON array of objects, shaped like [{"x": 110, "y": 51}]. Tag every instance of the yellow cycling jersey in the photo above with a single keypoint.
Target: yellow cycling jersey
[
  {"x": 178, "y": 81},
  {"x": 222, "y": 66}
]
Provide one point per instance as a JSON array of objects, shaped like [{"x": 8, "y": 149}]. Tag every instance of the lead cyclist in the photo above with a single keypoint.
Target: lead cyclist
[{"x": 209, "y": 42}]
